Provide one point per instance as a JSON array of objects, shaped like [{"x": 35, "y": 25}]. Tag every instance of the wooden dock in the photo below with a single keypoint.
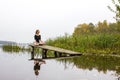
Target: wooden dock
[{"x": 57, "y": 51}]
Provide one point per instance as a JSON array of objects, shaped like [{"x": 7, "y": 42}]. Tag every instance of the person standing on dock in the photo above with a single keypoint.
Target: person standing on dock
[{"x": 37, "y": 38}]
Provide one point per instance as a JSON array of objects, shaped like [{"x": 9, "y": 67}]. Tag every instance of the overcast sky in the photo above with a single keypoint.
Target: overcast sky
[{"x": 20, "y": 18}]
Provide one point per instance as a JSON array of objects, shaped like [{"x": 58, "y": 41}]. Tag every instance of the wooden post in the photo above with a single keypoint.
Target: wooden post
[
  {"x": 32, "y": 53},
  {"x": 55, "y": 53},
  {"x": 60, "y": 54},
  {"x": 32, "y": 50},
  {"x": 44, "y": 51}
]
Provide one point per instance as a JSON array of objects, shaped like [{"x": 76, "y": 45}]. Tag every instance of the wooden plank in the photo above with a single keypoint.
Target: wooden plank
[{"x": 60, "y": 50}]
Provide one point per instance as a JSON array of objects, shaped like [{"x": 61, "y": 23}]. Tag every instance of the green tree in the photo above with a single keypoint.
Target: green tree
[
  {"x": 91, "y": 27},
  {"x": 116, "y": 3},
  {"x": 102, "y": 26},
  {"x": 84, "y": 29}
]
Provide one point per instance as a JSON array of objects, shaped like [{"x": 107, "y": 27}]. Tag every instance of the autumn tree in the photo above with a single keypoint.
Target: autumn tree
[
  {"x": 102, "y": 26},
  {"x": 84, "y": 29}
]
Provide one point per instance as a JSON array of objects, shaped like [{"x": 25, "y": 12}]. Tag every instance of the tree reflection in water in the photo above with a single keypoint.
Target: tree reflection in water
[{"x": 101, "y": 63}]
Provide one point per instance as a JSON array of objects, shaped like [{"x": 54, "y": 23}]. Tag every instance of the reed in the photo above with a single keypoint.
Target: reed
[
  {"x": 15, "y": 48},
  {"x": 89, "y": 43},
  {"x": 11, "y": 48}
]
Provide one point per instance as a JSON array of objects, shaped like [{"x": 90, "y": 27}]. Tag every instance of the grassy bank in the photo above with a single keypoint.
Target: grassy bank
[
  {"x": 102, "y": 43},
  {"x": 14, "y": 48}
]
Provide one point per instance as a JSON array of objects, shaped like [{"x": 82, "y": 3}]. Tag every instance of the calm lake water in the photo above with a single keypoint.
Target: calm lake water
[{"x": 17, "y": 66}]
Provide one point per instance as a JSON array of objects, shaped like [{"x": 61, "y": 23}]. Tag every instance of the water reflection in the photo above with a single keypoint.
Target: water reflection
[
  {"x": 101, "y": 63},
  {"x": 37, "y": 64},
  {"x": 84, "y": 64}
]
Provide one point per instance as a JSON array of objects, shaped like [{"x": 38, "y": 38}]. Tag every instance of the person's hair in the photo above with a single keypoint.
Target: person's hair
[
  {"x": 36, "y": 72},
  {"x": 37, "y": 31}
]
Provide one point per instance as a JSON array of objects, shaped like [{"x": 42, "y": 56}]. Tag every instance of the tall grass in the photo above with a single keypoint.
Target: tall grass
[
  {"x": 11, "y": 48},
  {"x": 14, "y": 48},
  {"x": 89, "y": 43}
]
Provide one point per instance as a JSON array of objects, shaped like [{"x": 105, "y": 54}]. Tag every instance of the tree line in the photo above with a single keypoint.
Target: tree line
[{"x": 100, "y": 27}]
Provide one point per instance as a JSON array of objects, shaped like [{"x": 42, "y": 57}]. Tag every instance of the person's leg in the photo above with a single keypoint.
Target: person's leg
[
  {"x": 36, "y": 43},
  {"x": 41, "y": 43}
]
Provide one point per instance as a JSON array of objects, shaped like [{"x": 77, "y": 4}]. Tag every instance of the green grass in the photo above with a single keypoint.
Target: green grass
[
  {"x": 90, "y": 43},
  {"x": 14, "y": 48}
]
